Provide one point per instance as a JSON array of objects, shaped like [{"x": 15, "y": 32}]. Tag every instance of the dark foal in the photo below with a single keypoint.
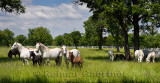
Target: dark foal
[
  {"x": 35, "y": 58},
  {"x": 121, "y": 56},
  {"x": 75, "y": 60},
  {"x": 13, "y": 52},
  {"x": 129, "y": 57}
]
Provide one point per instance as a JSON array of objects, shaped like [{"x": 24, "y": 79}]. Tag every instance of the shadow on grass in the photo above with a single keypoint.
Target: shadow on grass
[
  {"x": 37, "y": 79},
  {"x": 7, "y": 59},
  {"x": 97, "y": 57}
]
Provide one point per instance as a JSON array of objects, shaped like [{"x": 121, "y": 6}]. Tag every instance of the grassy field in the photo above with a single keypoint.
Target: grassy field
[{"x": 96, "y": 68}]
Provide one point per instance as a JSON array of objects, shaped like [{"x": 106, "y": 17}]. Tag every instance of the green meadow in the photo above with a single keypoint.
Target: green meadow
[{"x": 96, "y": 68}]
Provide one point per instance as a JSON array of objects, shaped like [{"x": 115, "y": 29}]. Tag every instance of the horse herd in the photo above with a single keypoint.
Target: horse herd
[
  {"x": 140, "y": 55},
  {"x": 42, "y": 53}
]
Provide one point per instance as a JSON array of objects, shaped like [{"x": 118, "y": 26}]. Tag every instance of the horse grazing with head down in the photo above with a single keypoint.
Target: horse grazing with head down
[
  {"x": 121, "y": 56},
  {"x": 66, "y": 51},
  {"x": 50, "y": 54},
  {"x": 151, "y": 54},
  {"x": 13, "y": 52},
  {"x": 75, "y": 60},
  {"x": 139, "y": 55}
]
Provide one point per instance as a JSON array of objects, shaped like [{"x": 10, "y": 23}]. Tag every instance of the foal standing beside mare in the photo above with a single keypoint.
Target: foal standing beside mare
[
  {"x": 35, "y": 58},
  {"x": 13, "y": 52},
  {"x": 75, "y": 60},
  {"x": 66, "y": 51}
]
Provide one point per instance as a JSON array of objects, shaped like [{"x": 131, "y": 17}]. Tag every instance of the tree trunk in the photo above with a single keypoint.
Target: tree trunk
[
  {"x": 100, "y": 41},
  {"x": 125, "y": 37},
  {"x": 136, "y": 32},
  {"x": 117, "y": 46}
]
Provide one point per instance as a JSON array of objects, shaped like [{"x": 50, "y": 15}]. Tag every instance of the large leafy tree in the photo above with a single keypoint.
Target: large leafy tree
[
  {"x": 127, "y": 12},
  {"x": 68, "y": 39},
  {"x": 59, "y": 40},
  {"x": 40, "y": 34},
  {"x": 12, "y": 6},
  {"x": 21, "y": 39},
  {"x": 76, "y": 36},
  {"x": 9, "y": 37},
  {"x": 94, "y": 30}
]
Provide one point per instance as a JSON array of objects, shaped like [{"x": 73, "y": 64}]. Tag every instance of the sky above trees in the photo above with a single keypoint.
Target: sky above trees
[{"x": 59, "y": 16}]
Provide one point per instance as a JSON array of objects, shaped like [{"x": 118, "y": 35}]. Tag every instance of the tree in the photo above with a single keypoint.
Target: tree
[
  {"x": 12, "y": 6},
  {"x": 76, "y": 36},
  {"x": 40, "y": 34},
  {"x": 68, "y": 39},
  {"x": 127, "y": 12},
  {"x": 21, "y": 39},
  {"x": 3, "y": 36},
  {"x": 59, "y": 40},
  {"x": 94, "y": 28},
  {"x": 9, "y": 37}
]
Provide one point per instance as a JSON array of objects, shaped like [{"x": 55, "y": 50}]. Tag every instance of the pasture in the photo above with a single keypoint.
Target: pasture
[{"x": 96, "y": 68}]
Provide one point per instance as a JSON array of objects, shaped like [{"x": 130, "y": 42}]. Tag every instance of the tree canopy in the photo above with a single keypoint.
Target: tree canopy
[{"x": 12, "y": 6}]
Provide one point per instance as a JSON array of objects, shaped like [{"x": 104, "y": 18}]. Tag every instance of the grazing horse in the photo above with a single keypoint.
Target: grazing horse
[
  {"x": 24, "y": 52},
  {"x": 121, "y": 56},
  {"x": 13, "y": 52},
  {"x": 75, "y": 60},
  {"x": 36, "y": 59},
  {"x": 66, "y": 51},
  {"x": 151, "y": 54},
  {"x": 53, "y": 54},
  {"x": 139, "y": 55},
  {"x": 146, "y": 52},
  {"x": 111, "y": 54}
]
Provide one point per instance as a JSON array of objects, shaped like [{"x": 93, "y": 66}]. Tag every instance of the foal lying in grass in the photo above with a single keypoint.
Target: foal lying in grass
[{"x": 75, "y": 60}]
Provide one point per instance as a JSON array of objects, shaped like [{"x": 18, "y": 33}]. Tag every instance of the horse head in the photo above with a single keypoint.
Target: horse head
[
  {"x": 38, "y": 46},
  {"x": 70, "y": 55},
  {"x": 10, "y": 54},
  {"x": 14, "y": 46},
  {"x": 64, "y": 49}
]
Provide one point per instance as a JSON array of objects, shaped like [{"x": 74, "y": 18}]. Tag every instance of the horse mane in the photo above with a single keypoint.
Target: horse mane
[
  {"x": 19, "y": 45},
  {"x": 43, "y": 46}
]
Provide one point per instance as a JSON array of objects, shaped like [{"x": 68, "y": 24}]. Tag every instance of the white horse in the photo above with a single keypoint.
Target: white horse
[
  {"x": 24, "y": 52},
  {"x": 139, "y": 55},
  {"x": 111, "y": 54},
  {"x": 53, "y": 54},
  {"x": 66, "y": 54},
  {"x": 151, "y": 54}
]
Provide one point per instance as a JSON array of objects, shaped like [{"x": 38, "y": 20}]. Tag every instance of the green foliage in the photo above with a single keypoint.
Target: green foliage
[
  {"x": 59, "y": 40},
  {"x": 76, "y": 36},
  {"x": 9, "y": 39},
  {"x": 21, "y": 39},
  {"x": 12, "y": 6},
  {"x": 39, "y": 34}
]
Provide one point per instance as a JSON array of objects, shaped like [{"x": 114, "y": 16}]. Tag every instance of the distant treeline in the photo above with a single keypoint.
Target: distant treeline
[{"x": 75, "y": 38}]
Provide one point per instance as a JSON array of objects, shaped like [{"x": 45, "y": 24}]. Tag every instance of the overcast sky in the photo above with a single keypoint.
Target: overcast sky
[{"x": 59, "y": 16}]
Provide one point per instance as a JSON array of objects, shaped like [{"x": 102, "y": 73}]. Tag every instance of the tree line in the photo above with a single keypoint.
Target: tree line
[{"x": 148, "y": 39}]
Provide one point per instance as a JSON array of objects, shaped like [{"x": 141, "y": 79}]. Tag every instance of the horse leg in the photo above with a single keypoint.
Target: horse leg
[
  {"x": 153, "y": 59},
  {"x": 23, "y": 62},
  {"x": 26, "y": 61},
  {"x": 48, "y": 62}
]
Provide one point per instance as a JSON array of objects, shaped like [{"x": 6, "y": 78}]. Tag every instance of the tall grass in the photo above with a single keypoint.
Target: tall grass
[{"x": 96, "y": 68}]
